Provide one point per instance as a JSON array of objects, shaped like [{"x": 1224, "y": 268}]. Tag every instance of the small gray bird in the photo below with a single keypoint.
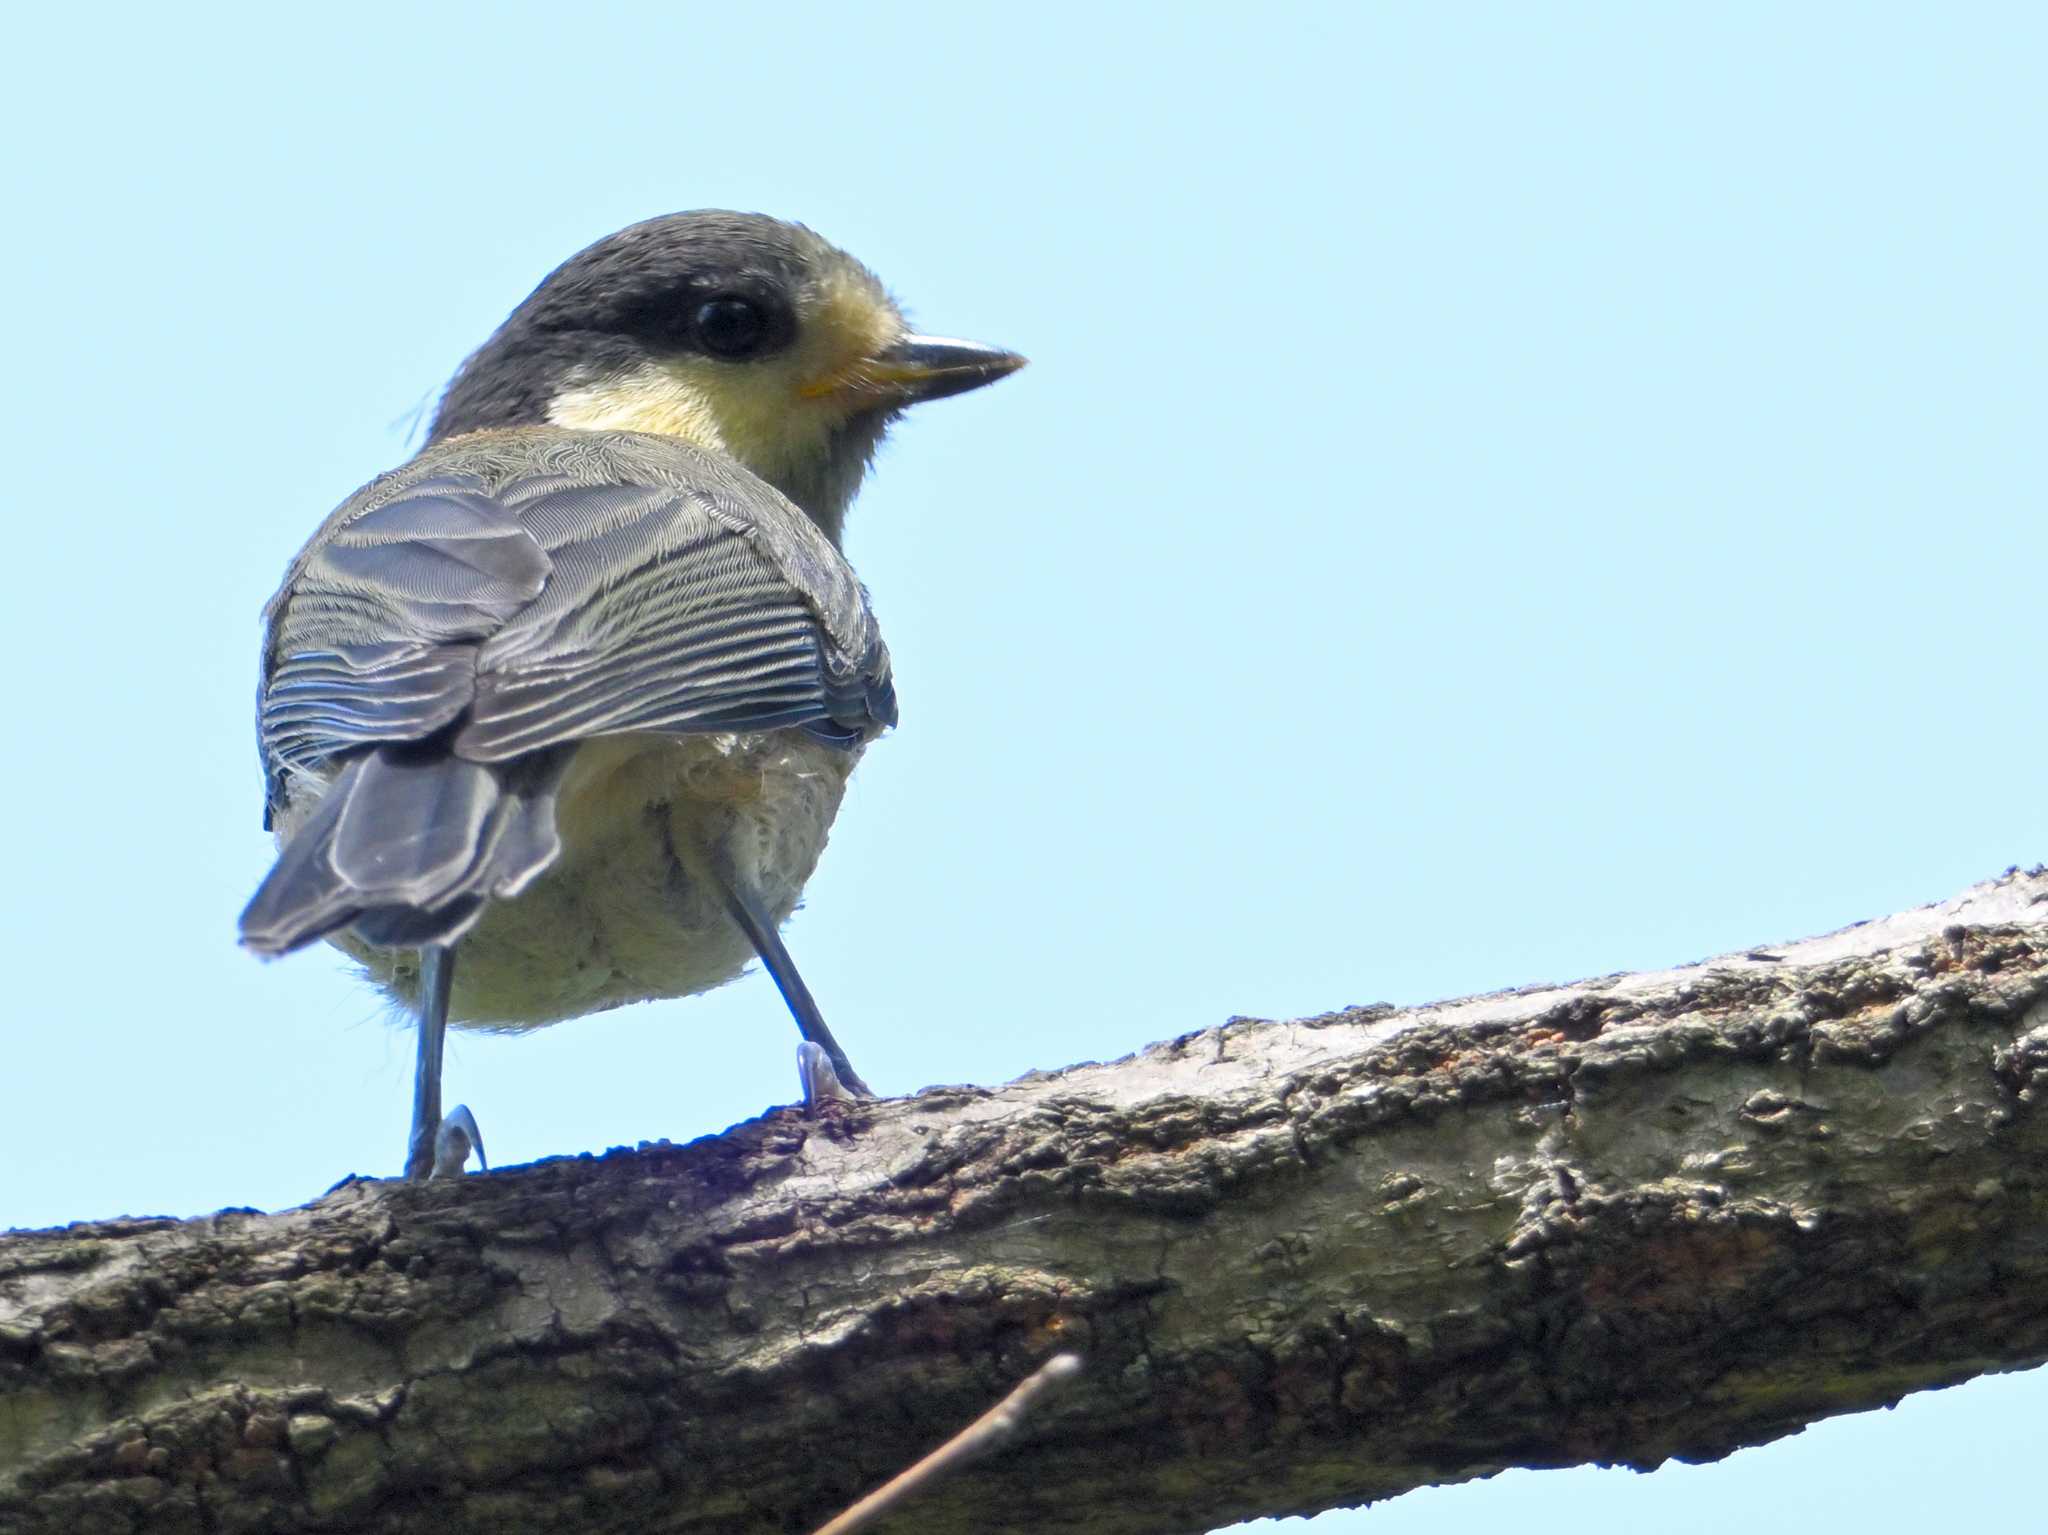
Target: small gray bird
[{"x": 557, "y": 716}]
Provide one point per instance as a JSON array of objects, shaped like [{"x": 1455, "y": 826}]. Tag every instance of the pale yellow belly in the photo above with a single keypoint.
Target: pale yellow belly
[{"x": 622, "y": 916}]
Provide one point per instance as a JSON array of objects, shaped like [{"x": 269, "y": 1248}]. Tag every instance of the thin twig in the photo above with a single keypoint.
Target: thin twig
[{"x": 978, "y": 1438}]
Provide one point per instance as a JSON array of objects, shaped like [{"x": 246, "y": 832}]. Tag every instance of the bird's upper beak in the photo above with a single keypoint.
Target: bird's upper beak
[{"x": 926, "y": 368}]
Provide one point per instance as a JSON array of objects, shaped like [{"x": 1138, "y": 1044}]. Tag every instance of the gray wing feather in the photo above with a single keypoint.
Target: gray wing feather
[
  {"x": 374, "y": 636},
  {"x": 412, "y": 841},
  {"x": 321, "y": 702},
  {"x": 454, "y": 559},
  {"x": 660, "y": 616},
  {"x": 547, "y": 611},
  {"x": 406, "y": 846}
]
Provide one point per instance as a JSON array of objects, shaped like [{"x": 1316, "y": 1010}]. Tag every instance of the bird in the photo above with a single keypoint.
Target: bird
[{"x": 556, "y": 716}]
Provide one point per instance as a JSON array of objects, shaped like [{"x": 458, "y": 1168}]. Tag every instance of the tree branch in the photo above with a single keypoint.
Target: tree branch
[{"x": 1310, "y": 1263}]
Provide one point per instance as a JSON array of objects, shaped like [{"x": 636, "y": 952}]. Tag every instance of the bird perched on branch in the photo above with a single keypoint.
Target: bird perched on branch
[{"x": 557, "y": 716}]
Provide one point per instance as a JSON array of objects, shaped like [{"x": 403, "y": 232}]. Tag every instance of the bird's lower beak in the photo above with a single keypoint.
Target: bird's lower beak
[{"x": 930, "y": 368}]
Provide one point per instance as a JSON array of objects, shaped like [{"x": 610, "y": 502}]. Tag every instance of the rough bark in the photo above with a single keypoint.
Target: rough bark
[{"x": 1310, "y": 1263}]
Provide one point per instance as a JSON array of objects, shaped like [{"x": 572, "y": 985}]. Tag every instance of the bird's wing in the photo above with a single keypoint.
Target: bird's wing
[
  {"x": 718, "y": 607},
  {"x": 548, "y": 610}
]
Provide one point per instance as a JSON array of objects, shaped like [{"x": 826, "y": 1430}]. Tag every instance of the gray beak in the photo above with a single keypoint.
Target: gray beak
[{"x": 932, "y": 367}]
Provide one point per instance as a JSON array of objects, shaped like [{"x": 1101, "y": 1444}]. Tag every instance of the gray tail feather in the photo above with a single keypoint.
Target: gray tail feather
[{"x": 406, "y": 847}]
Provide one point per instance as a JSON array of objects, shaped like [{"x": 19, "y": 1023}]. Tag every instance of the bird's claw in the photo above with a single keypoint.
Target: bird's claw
[
  {"x": 453, "y": 1142},
  {"x": 820, "y": 1082}
]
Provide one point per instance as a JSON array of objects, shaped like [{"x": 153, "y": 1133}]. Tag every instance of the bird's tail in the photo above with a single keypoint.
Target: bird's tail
[{"x": 406, "y": 846}]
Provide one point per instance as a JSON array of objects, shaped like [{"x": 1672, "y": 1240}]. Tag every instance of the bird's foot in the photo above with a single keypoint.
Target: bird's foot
[
  {"x": 453, "y": 1142},
  {"x": 822, "y": 1082},
  {"x": 455, "y": 1137}
]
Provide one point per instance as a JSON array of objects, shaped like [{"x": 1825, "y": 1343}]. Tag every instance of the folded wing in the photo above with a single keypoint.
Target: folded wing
[{"x": 439, "y": 656}]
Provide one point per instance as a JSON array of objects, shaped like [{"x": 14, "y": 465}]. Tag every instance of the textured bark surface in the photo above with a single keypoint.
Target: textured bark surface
[{"x": 1310, "y": 1263}]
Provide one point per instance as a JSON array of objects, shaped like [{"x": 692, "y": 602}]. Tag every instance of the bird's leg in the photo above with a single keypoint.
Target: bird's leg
[
  {"x": 438, "y": 1146},
  {"x": 803, "y": 1007}
]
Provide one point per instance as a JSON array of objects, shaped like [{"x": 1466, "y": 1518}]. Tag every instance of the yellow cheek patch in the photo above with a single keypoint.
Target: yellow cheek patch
[
  {"x": 775, "y": 415},
  {"x": 851, "y": 326}
]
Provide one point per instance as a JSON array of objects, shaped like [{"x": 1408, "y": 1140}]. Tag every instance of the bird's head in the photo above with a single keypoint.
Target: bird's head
[{"x": 745, "y": 335}]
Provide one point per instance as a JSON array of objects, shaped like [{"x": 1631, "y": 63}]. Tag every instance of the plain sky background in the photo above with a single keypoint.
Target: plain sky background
[{"x": 1503, "y": 493}]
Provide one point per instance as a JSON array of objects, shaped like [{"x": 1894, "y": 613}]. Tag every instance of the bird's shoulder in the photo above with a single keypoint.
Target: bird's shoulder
[
  {"x": 514, "y": 467},
  {"x": 487, "y": 518}
]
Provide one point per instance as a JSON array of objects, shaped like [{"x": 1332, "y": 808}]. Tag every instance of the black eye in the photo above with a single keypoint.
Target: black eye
[{"x": 730, "y": 327}]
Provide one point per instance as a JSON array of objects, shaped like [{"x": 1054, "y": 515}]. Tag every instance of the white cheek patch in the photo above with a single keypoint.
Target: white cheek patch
[{"x": 651, "y": 400}]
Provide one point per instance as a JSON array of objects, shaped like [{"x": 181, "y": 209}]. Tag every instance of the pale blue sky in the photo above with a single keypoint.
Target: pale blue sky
[{"x": 1503, "y": 493}]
